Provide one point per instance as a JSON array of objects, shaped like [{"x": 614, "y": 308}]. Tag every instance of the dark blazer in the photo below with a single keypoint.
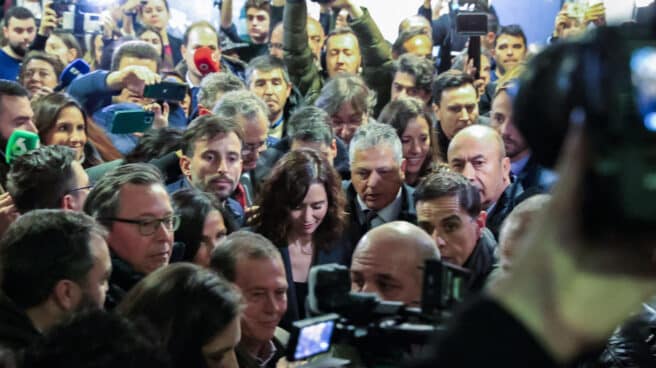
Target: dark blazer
[
  {"x": 536, "y": 177},
  {"x": 355, "y": 230},
  {"x": 510, "y": 197},
  {"x": 336, "y": 254},
  {"x": 16, "y": 329}
]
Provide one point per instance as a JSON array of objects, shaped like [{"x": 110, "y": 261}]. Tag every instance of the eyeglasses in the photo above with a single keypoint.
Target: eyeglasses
[
  {"x": 86, "y": 187},
  {"x": 275, "y": 45},
  {"x": 149, "y": 227},
  {"x": 252, "y": 147}
]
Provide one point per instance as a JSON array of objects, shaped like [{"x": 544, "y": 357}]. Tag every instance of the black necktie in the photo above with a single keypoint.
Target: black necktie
[{"x": 369, "y": 216}]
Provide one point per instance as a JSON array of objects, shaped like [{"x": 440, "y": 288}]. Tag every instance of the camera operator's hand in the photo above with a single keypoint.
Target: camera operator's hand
[
  {"x": 569, "y": 291},
  {"x": 133, "y": 77},
  {"x": 8, "y": 212},
  {"x": 595, "y": 14},
  {"x": 161, "y": 114},
  {"x": 49, "y": 20},
  {"x": 470, "y": 69}
]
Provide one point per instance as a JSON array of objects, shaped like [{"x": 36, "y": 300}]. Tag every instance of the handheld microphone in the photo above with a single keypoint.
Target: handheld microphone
[
  {"x": 73, "y": 70},
  {"x": 20, "y": 142},
  {"x": 205, "y": 61}
]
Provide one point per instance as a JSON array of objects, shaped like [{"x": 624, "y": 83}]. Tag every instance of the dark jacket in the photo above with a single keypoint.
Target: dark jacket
[
  {"x": 484, "y": 334},
  {"x": 16, "y": 329},
  {"x": 355, "y": 230},
  {"x": 336, "y": 254},
  {"x": 482, "y": 260},
  {"x": 123, "y": 278},
  {"x": 536, "y": 177},
  {"x": 280, "y": 340},
  {"x": 510, "y": 197},
  {"x": 631, "y": 345},
  {"x": 377, "y": 64},
  {"x": 303, "y": 71}
]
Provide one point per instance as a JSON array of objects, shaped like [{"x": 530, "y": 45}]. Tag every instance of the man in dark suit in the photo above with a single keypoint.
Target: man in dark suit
[{"x": 376, "y": 193}]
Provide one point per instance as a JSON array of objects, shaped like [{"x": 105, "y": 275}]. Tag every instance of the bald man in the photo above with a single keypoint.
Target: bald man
[
  {"x": 416, "y": 21},
  {"x": 478, "y": 153},
  {"x": 516, "y": 226},
  {"x": 388, "y": 261}
]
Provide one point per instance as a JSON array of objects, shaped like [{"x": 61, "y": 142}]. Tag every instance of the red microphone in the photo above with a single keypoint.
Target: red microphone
[{"x": 206, "y": 61}]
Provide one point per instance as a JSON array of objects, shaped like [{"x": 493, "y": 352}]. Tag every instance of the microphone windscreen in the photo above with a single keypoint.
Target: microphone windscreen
[
  {"x": 205, "y": 61},
  {"x": 19, "y": 143},
  {"x": 73, "y": 70}
]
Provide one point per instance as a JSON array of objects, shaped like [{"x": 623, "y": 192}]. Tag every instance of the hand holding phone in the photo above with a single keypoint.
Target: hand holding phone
[
  {"x": 49, "y": 19},
  {"x": 166, "y": 91},
  {"x": 132, "y": 121}
]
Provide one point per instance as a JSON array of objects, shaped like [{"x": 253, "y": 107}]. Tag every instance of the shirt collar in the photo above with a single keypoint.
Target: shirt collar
[
  {"x": 189, "y": 82},
  {"x": 387, "y": 214},
  {"x": 517, "y": 166},
  {"x": 266, "y": 355}
]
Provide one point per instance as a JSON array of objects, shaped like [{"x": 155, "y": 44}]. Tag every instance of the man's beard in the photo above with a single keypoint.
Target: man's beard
[
  {"x": 87, "y": 303},
  {"x": 18, "y": 49}
]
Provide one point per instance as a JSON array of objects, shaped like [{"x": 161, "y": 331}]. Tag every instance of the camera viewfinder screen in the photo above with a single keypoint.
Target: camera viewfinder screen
[{"x": 314, "y": 339}]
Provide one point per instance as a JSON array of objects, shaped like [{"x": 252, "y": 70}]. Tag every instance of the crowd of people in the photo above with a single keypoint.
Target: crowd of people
[{"x": 316, "y": 141}]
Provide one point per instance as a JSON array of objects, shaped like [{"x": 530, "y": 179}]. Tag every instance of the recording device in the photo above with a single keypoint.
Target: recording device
[
  {"x": 603, "y": 83},
  {"x": 76, "y": 68},
  {"x": 380, "y": 330},
  {"x": 132, "y": 121},
  {"x": 81, "y": 17},
  {"x": 20, "y": 142},
  {"x": 166, "y": 91},
  {"x": 311, "y": 337},
  {"x": 471, "y": 21},
  {"x": 205, "y": 61}
]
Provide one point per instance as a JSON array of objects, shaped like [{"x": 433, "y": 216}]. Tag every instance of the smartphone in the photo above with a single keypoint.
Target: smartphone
[
  {"x": 166, "y": 91},
  {"x": 310, "y": 337},
  {"x": 131, "y": 121}
]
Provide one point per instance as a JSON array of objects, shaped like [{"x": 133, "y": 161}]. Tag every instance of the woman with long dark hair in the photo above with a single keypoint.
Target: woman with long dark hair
[
  {"x": 195, "y": 312},
  {"x": 414, "y": 126},
  {"x": 203, "y": 225},
  {"x": 61, "y": 120},
  {"x": 301, "y": 210}
]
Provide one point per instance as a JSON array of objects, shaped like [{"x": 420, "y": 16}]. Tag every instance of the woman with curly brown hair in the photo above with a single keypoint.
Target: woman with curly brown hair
[{"x": 301, "y": 210}]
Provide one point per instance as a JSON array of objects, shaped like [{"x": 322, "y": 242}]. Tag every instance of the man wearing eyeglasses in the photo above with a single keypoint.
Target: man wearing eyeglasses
[
  {"x": 51, "y": 167},
  {"x": 132, "y": 202},
  {"x": 455, "y": 104}
]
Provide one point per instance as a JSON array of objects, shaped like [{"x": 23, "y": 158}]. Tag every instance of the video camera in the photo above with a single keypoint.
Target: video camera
[
  {"x": 380, "y": 331},
  {"x": 604, "y": 83},
  {"x": 80, "y": 17}
]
